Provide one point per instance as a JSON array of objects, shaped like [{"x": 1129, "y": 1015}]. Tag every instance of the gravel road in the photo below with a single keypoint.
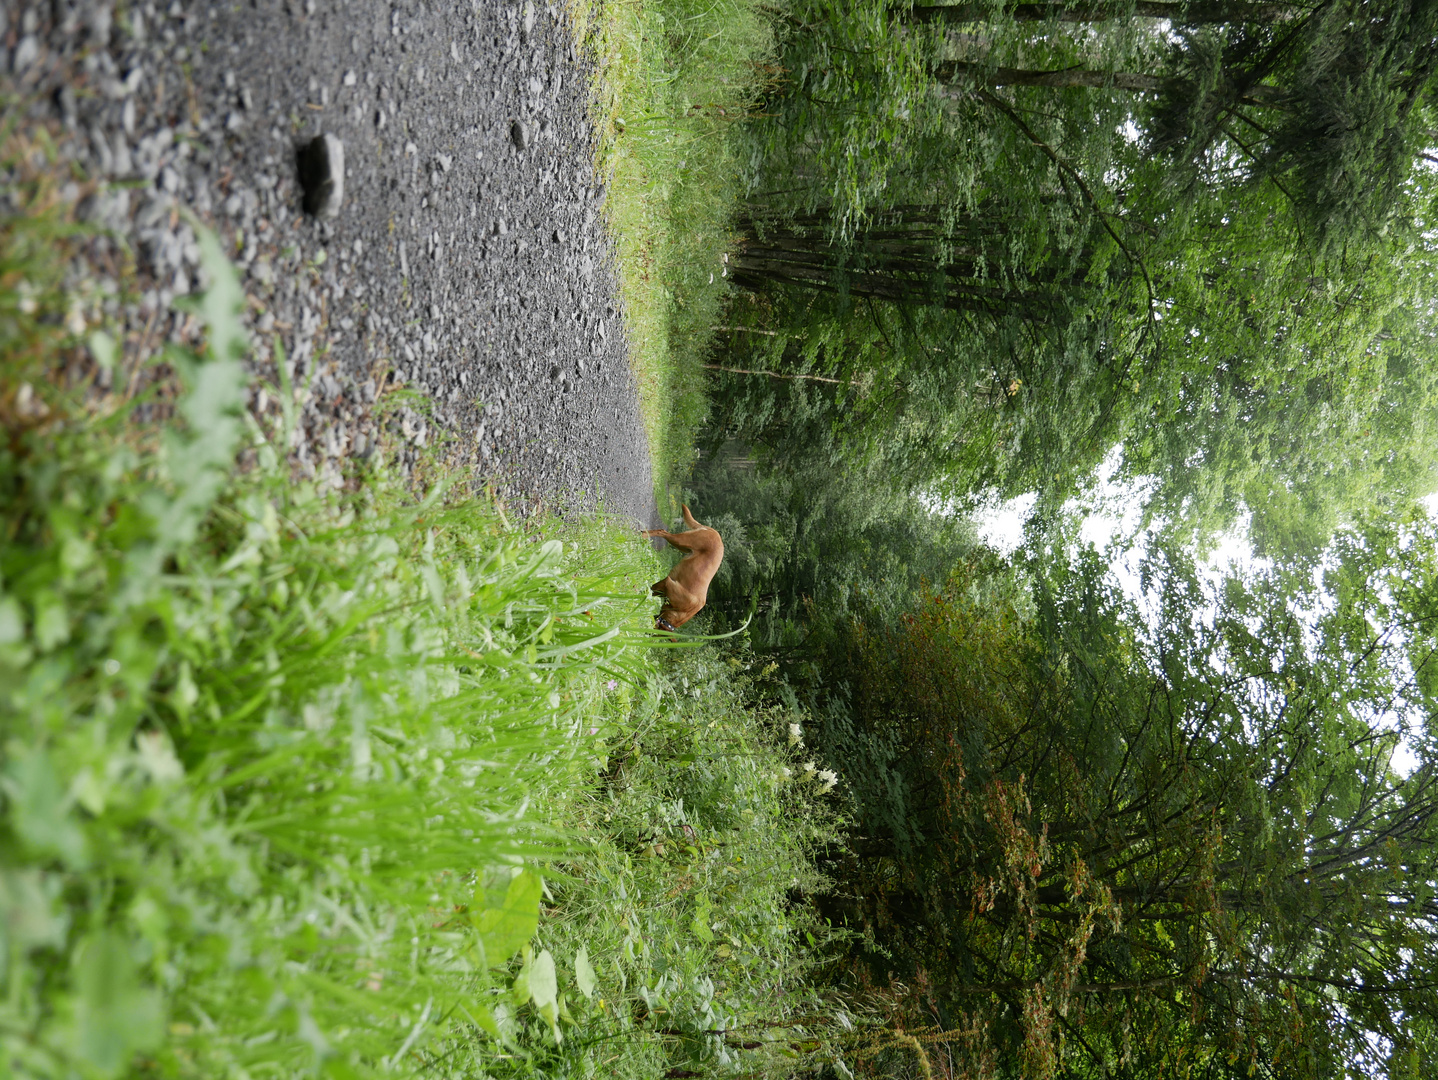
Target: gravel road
[{"x": 467, "y": 262}]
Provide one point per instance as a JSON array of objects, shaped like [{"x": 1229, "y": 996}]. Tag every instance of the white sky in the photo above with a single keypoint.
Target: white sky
[{"x": 1113, "y": 515}]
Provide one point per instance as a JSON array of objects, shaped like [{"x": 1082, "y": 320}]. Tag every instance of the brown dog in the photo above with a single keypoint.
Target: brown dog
[{"x": 687, "y": 586}]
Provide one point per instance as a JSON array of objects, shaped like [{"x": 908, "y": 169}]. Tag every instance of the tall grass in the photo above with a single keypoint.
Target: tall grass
[
  {"x": 269, "y": 758},
  {"x": 682, "y": 943},
  {"x": 298, "y": 782},
  {"x": 675, "y": 78}
]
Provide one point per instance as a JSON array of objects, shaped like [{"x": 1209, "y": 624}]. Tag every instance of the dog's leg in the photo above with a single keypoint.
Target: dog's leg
[{"x": 675, "y": 539}]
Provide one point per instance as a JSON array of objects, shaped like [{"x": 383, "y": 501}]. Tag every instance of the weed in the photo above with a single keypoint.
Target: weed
[
  {"x": 269, "y": 755},
  {"x": 677, "y": 936},
  {"x": 287, "y": 774},
  {"x": 675, "y": 77}
]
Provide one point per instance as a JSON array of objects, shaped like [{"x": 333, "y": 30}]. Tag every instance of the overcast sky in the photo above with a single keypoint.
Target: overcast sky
[{"x": 1114, "y": 515}]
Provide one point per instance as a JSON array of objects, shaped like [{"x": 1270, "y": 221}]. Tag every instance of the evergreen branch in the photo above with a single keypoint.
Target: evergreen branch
[
  {"x": 1065, "y": 167},
  {"x": 1253, "y": 157}
]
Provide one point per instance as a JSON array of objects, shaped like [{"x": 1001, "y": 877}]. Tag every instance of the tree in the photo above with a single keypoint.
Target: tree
[
  {"x": 814, "y": 547},
  {"x": 1102, "y": 848},
  {"x": 1330, "y": 104},
  {"x": 1026, "y": 287},
  {"x": 1341, "y": 422},
  {"x": 1262, "y": 381},
  {"x": 1178, "y": 13},
  {"x": 921, "y": 255}
]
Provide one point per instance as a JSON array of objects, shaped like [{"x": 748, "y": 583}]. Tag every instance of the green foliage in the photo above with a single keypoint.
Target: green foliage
[
  {"x": 1331, "y": 108},
  {"x": 852, "y": 101},
  {"x": 950, "y": 667},
  {"x": 674, "y": 941},
  {"x": 1093, "y": 844},
  {"x": 1086, "y": 234},
  {"x": 1301, "y": 394},
  {"x": 815, "y": 547},
  {"x": 291, "y": 780},
  {"x": 1087, "y": 842},
  {"x": 255, "y": 739},
  {"x": 677, "y": 78}
]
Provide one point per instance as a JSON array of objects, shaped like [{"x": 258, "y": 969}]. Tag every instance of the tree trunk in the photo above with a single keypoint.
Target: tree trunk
[
  {"x": 955, "y": 72},
  {"x": 1180, "y": 14},
  {"x": 1182, "y": 979},
  {"x": 904, "y": 259}
]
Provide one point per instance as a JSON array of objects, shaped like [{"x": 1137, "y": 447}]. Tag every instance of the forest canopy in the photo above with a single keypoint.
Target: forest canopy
[{"x": 986, "y": 247}]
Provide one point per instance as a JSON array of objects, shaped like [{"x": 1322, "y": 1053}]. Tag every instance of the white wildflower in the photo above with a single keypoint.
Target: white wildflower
[
  {"x": 829, "y": 779},
  {"x": 811, "y": 769},
  {"x": 796, "y": 736}
]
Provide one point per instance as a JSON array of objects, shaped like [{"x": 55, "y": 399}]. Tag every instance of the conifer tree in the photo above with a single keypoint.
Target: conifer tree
[
  {"x": 1132, "y": 240},
  {"x": 1106, "y": 849}
]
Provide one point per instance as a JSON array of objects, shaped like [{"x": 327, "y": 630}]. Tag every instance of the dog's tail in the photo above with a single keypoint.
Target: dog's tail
[{"x": 689, "y": 519}]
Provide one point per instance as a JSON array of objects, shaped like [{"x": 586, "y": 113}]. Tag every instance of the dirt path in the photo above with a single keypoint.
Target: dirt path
[{"x": 467, "y": 261}]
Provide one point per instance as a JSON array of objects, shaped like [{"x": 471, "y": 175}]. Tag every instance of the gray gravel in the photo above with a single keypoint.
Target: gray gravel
[{"x": 467, "y": 261}]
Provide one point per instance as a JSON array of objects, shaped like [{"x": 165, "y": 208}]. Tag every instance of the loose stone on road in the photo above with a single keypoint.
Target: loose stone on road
[{"x": 454, "y": 245}]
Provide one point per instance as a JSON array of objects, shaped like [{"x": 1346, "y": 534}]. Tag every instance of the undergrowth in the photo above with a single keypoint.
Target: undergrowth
[
  {"x": 675, "y": 78},
  {"x": 296, "y": 781},
  {"x": 267, "y": 754},
  {"x": 684, "y": 906}
]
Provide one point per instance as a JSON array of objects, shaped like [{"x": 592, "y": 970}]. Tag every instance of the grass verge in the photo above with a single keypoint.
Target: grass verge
[
  {"x": 267, "y": 754},
  {"x": 674, "y": 79},
  {"x": 677, "y": 936},
  {"x": 350, "y": 783}
]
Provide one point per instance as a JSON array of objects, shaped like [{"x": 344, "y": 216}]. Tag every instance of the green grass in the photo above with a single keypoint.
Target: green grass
[
  {"x": 675, "y": 78},
  {"x": 268, "y": 755},
  {"x": 297, "y": 782},
  {"x": 691, "y": 847}
]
